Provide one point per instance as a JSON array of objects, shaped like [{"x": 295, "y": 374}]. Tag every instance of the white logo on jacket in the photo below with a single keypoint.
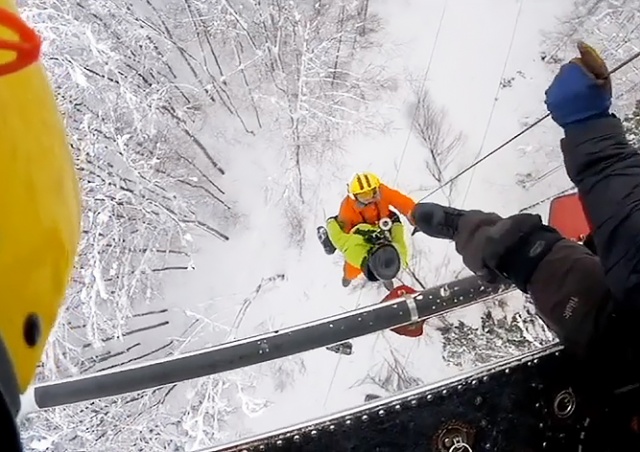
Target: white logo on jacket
[{"x": 571, "y": 305}]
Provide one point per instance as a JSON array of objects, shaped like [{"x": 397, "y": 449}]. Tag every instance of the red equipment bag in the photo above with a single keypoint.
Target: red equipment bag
[
  {"x": 413, "y": 329},
  {"x": 566, "y": 214}
]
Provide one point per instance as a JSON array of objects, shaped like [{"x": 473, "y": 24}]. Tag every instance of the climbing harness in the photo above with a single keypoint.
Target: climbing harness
[
  {"x": 379, "y": 236},
  {"x": 385, "y": 224}
]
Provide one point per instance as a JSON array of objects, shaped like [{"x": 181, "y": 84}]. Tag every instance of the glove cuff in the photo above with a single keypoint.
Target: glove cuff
[
  {"x": 522, "y": 260},
  {"x": 579, "y": 122}
]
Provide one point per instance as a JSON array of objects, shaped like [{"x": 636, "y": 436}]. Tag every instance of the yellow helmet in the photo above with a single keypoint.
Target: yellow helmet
[
  {"x": 363, "y": 182},
  {"x": 39, "y": 207}
]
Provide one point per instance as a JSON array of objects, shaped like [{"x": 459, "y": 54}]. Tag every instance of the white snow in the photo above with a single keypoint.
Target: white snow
[
  {"x": 472, "y": 55},
  {"x": 480, "y": 61}
]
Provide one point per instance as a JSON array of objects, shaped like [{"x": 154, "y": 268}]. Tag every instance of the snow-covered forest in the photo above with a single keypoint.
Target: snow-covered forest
[{"x": 212, "y": 137}]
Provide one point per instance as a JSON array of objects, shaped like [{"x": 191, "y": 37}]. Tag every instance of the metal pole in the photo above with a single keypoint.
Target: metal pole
[{"x": 264, "y": 347}]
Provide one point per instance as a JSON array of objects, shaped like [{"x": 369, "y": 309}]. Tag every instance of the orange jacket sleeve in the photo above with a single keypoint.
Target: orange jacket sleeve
[
  {"x": 348, "y": 217},
  {"x": 398, "y": 200}
]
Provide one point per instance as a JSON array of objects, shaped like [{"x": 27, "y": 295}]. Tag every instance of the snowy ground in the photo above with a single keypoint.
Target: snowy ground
[
  {"x": 473, "y": 53},
  {"x": 470, "y": 49}
]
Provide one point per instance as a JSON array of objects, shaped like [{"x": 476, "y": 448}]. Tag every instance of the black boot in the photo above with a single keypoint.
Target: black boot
[
  {"x": 325, "y": 241},
  {"x": 388, "y": 285},
  {"x": 440, "y": 222}
]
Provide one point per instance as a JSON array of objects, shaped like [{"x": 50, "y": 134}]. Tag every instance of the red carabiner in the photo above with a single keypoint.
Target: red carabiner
[{"x": 26, "y": 47}]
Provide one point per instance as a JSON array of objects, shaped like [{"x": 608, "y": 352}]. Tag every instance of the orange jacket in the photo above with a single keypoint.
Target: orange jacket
[{"x": 353, "y": 213}]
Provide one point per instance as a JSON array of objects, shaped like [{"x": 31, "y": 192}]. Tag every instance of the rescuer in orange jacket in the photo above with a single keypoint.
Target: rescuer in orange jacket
[{"x": 368, "y": 201}]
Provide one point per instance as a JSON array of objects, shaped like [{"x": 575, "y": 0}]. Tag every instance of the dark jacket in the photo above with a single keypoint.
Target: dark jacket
[
  {"x": 606, "y": 170},
  {"x": 589, "y": 301},
  {"x": 567, "y": 284}
]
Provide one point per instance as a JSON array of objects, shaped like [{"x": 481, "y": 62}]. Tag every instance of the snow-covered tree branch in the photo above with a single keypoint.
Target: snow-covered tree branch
[
  {"x": 295, "y": 62},
  {"x": 632, "y": 125},
  {"x": 152, "y": 94},
  {"x": 611, "y": 26},
  {"x": 431, "y": 126},
  {"x": 501, "y": 334}
]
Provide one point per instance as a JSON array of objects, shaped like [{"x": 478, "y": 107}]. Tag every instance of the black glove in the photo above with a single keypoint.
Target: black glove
[{"x": 515, "y": 247}]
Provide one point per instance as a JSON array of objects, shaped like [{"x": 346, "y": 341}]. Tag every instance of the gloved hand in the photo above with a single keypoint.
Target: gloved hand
[
  {"x": 515, "y": 246},
  {"x": 581, "y": 90}
]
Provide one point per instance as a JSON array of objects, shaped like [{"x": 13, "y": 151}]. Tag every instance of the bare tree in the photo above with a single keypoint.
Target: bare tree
[
  {"x": 391, "y": 375},
  {"x": 186, "y": 415},
  {"x": 134, "y": 147},
  {"x": 632, "y": 125},
  {"x": 612, "y": 27},
  {"x": 247, "y": 302},
  {"x": 431, "y": 125},
  {"x": 500, "y": 335},
  {"x": 302, "y": 55},
  {"x": 149, "y": 182},
  {"x": 152, "y": 94},
  {"x": 286, "y": 371}
]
